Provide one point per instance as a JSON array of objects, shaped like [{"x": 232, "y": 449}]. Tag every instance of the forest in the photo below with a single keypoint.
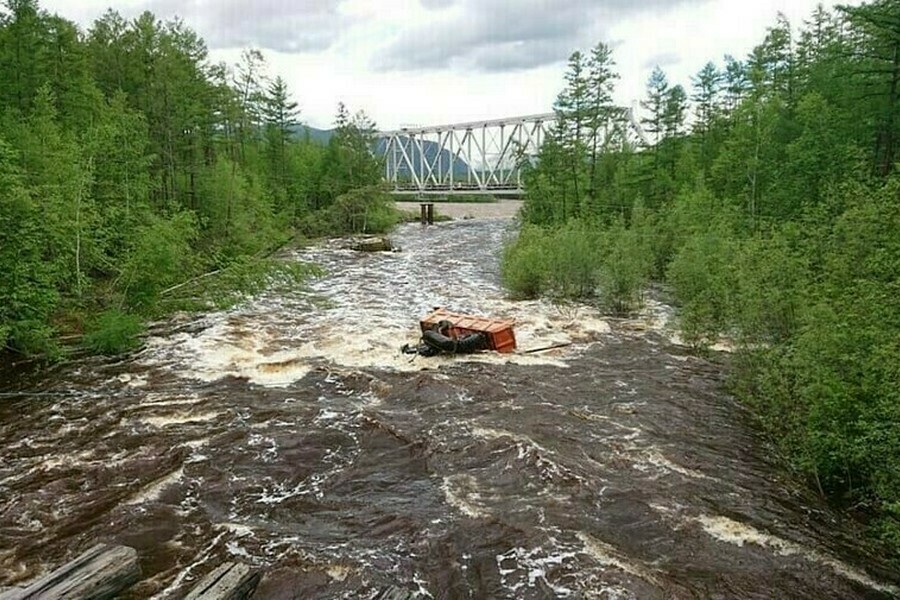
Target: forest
[
  {"x": 138, "y": 178},
  {"x": 766, "y": 207}
]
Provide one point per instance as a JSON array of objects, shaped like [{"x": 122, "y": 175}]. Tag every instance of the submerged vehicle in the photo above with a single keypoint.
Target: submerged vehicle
[{"x": 445, "y": 332}]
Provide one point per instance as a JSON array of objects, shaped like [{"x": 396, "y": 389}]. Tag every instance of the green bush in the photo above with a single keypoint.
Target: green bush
[
  {"x": 161, "y": 257},
  {"x": 579, "y": 260},
  {"x": 702, "y": 278},
  {"x": 574, "y": 256},
  {"x": 562, "y": 262},
  {"x": 113, "y": 332},
  {"x": 524, "y": 269},
  {"x": 364, "y": 210},
  {"x": 770, "y": 278},
  {"x": 32, "y": 337},
  {"x": 625, "y": 266}
]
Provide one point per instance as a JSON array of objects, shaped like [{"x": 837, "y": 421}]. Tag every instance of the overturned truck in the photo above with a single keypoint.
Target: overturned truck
[{"x": 445, "y": 332}]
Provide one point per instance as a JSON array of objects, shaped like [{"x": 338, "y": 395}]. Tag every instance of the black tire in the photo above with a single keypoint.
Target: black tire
[{"x": 466, "y": 345}]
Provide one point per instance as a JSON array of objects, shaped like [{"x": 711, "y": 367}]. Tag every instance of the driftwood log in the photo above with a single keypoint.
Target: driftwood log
[
  {"x": 229, "y": 581},
  {"x": 101, "y": 573},
  {"x": 394, "y": 593}
]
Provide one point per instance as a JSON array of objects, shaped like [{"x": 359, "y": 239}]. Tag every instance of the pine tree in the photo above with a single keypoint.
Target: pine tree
[
  {"x": 571, "y": 125},
  {"x": 655, "y": 105},
  {"x": 736, "y": 83},
  {"x": 280, "y": 114},
  {"x": 601, "y": 81},
  {"x": 707, "y": 85},
  {"x": 676, "y": 106},
  {"x": 878, "y": 72},
  {"x": 22, "y": 47}
]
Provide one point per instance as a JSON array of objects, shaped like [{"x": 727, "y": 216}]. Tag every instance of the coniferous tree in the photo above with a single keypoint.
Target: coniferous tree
[
  {"x": 655, "y": 105},
  {"x": 571, "y": 126},
  {"x": 706, "y": 97},
  {"x": 675, "y": 111},
  {"x": 280, "y": 114},
  {"x": 878, "y": 73},
  {"x": 706, "y": 92},
  {"x": 736, "y": 84},
  {"x": 599, "y": 110},
  {"x": 139, "y": 163}
]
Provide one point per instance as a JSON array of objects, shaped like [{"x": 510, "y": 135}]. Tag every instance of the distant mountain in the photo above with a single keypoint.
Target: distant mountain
[
  {"x": 460, "y": 167},
  {"x": 321, "y": 136},
  {"x": 430, "y": 150}
]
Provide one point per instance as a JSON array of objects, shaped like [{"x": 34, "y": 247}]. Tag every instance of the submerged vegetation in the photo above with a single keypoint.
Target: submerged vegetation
[
  {"x": 137, "y": 178},
  {"x": 766, "y": 200}
]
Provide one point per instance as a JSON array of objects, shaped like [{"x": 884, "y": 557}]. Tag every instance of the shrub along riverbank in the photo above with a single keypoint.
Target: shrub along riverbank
[
  {"x": 772, "y": 215},
  {"x": 137, "y": 178}
]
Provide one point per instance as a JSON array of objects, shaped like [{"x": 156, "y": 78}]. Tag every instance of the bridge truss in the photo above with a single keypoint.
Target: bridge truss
[
  {"x": 480, "y": 157},
  {"x": 476, "y": 157}
]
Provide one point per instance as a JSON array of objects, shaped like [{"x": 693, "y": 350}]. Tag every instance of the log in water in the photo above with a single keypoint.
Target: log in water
[
  {"x": 101, "y": 573},
  {"x": 230, "y": 581}
]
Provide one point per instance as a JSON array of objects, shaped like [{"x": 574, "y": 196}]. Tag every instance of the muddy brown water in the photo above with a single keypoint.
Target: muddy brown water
[{"x": 289, "y": 433}]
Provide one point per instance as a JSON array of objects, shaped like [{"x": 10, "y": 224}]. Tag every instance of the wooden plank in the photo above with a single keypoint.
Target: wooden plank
[
  {"x": 229, "y": 581},
  {"x": 101, "y": 573},
  {"x": 546, "y": 348},
  {"x": 394, "y": 593}
]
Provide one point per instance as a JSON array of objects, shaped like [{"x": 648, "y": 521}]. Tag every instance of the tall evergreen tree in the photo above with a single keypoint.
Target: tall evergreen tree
[
  {"x": 675, "y": 112},
  {"x": 571, "y": 125},
  {"x": 655, "y": 105},
  {"x": 600, "y": 111},
  {"x": 878, "y": 73},
  {"x": 280, "y": 114},
  {"x": 23, "y": 42},
  {"x": 706, "y": 88}
]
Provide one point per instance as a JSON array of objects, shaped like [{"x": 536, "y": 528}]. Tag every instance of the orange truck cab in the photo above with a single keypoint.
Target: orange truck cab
[{"x": 499, "y": 332}]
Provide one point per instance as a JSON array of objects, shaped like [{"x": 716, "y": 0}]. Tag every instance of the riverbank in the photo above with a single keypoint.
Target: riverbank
[{"x": 502, "y": 209}]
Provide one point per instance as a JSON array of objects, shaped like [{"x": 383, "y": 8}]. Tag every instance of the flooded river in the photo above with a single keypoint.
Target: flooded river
[{"x": 291, "y": 434}]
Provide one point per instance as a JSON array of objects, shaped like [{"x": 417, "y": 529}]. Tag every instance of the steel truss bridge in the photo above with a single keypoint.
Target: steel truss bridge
[{"x": 479, "y": 157}]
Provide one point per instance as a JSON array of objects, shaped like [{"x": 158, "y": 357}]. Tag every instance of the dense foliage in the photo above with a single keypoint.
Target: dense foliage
[
  {"x": 766, "y": 200},
  {"x": 129, "y": 165}
]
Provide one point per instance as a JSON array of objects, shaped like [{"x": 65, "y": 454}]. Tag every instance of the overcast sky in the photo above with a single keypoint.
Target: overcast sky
[{"x": 429, "y": 62}]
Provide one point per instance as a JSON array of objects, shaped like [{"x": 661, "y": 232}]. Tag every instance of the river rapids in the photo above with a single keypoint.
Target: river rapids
[{"x": 291, "y": 434}]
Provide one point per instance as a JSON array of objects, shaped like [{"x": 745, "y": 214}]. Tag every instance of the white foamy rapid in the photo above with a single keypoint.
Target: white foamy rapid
[
  {"x": 367, "y": 305},
  {"x": 737, "y": 533}
]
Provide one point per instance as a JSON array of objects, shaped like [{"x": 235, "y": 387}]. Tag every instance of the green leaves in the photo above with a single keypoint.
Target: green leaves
[
  {"x": 349, "y": 163},
  {"x": 774, "y": 223},
  {"x": 579, "y": 260},
  {"x": 113, "y": 332},
  {"x": 28, "y": 294},
  {"x": 131, "y": 169},
  {"x": 161, "y": 256}
]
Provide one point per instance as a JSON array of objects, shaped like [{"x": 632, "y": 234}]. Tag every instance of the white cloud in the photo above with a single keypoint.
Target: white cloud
[{"x": 440, "y": 61}]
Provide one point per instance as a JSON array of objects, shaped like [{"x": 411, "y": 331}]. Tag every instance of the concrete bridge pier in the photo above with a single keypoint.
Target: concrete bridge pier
[{"x": 427, "y": 209}]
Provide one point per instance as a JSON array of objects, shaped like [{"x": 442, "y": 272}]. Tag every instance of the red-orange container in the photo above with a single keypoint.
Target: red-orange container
[{"x": 499, "y": 332}]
